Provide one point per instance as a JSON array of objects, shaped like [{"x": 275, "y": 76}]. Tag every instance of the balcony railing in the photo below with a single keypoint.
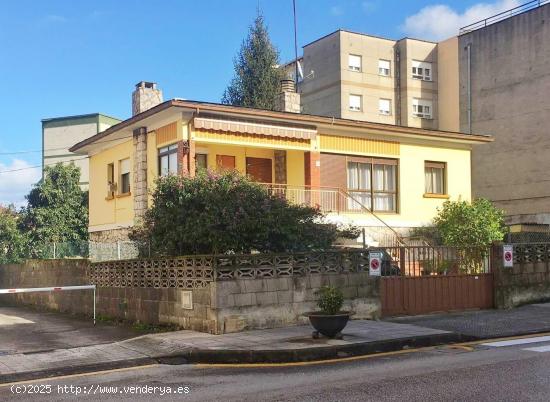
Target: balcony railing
[{"x": 328, "y": 200}]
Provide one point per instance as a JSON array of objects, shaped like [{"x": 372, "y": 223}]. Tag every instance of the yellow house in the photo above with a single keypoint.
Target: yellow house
[{"x": 375, "y": 175}]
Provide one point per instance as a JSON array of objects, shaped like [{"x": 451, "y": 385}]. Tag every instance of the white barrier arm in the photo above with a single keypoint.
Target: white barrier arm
[{"x": 51, "y": 289}]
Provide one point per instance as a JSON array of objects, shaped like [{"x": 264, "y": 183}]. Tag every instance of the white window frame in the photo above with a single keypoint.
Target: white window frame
[
  {"x": 355, "y": 108},
  {"x": 384, "y": 68},
  {"x": 422, "y": 70},
  {"x": 124, "y": 174},
  {"x": 354, "y": 66},
  {"x": 384, "y": 112},
  {"x": 422, "y": 108}
]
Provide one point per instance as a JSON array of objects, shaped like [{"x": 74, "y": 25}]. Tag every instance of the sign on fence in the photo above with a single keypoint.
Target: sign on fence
[
  {"x": 375, "y": 263},
  {"x": 508, "y": 255}
]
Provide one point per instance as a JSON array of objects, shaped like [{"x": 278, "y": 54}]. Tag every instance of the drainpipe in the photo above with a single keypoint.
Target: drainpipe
[{"x": 469, "y": 89}]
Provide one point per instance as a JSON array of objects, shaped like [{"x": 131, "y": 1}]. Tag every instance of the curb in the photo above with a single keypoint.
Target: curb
[{"x": 228, "y": 356}]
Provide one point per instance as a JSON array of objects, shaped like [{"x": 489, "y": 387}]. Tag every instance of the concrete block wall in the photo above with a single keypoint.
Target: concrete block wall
[{"x": 244, "y": 304}]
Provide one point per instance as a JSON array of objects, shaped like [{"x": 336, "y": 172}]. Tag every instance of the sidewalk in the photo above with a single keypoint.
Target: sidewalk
[{"x": 291, "y": 344}]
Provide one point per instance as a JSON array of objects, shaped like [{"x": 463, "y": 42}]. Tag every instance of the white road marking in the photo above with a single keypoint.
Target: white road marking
[
  {"x": 539, "y": 349},
  {"x": 522, "y": 341},
  {"x": 6, "y": 320}
]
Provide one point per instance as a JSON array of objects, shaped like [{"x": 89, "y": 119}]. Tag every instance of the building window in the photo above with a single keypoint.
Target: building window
[
  {"x": 384, "y": 68},
  {"x": 111, "y": 185},
  {"x": 201, "y": 161},
  {"x": 422, "y": 70},
  {"x": 354, "y": 62},
  {"x": 355, "y": 103},
  {"x": 384, "y": 106},
  {"x": 422, "y": 108},
  {"x": 435, "y": 178},
  {"x": 168, "y": 160},
  {"x": 124, "y": 168},
  {"x": 373, "y": 185}
]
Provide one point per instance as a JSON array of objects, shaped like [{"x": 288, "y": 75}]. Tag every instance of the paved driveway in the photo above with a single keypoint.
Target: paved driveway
[{"x": 23, "y": 330}]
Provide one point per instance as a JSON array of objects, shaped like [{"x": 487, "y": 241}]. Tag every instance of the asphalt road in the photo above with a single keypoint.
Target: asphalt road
[{"x": 482, "y": 373}]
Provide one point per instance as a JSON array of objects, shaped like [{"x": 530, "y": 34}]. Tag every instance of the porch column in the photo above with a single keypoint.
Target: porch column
[
  {"x": 186, "y": 157},
  {"x": 139, "y": 189},
  {"x": 280, "y": 167},
  {"x": 312, "y": 173}
]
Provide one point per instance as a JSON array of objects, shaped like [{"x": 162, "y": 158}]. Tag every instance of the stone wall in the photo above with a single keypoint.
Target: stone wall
[
  {"x": 48, "y": 273},
  {"x": 528, "y": 281},
  {"x": 277, "y": 302},
  {"x": 110, "y": 236},
  {"x": 215, "y": 294}
]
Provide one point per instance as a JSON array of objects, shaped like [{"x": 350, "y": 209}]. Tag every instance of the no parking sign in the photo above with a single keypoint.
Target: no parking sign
[
  {"x": 508, "y": 255},
  {"x": 375, "y": 263}
]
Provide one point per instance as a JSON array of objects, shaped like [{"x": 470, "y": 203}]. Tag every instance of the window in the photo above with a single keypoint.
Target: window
[
  {"x": 384, "y": 67},
  {"x": 384, "y": 106},
  {"x": 435, "y": 177},
  {"x": 354, "y": 62},
  {"x": 355, "y": 103},
  {"x": 168, "y": 160},
  {"x": 201, "y": 161},
  {"x": 373, "y": 185},
  {"x": 124, "y": 168},
  {"x": 422, "y": 108},
  {"x": 111, "y": 185},
  {"x": 422, "y": 70}
]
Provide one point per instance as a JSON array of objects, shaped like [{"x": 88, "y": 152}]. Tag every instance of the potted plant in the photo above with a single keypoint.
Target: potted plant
[{"x": 330, "y": 320}]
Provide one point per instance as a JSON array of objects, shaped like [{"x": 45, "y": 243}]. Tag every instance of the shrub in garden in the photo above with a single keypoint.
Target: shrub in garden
[
  {"x": 228, "y": 213},
  {"x": 331, "y": 300}
]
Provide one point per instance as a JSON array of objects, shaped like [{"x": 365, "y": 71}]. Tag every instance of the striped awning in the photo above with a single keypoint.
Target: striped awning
[{"x": 245, "y": 127}]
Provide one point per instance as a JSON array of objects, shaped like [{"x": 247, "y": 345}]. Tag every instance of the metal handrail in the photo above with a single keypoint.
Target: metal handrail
[
  {"x": 531, "y": 5},
  {"x": 363, "y": 207}
]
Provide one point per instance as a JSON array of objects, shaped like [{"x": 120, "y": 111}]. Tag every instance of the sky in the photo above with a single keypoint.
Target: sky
[{"x": 66, "y": 57}]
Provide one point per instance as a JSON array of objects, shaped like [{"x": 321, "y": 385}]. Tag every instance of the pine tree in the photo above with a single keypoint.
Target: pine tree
[{"x": 256, "y": 81}]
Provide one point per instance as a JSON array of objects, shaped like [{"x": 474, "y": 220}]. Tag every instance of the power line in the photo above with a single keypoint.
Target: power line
[{"x": 37, "y": 166}]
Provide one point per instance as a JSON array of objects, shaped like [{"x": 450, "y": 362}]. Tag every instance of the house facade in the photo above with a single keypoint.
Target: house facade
[{"x": 374, "y": 175}]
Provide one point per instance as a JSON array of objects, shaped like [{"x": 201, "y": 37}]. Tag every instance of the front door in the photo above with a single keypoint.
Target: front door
[{"x": 259, "y": 169}]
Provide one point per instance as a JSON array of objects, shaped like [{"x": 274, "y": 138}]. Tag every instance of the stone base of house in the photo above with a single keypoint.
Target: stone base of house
[{"x": 110, "y": 236}]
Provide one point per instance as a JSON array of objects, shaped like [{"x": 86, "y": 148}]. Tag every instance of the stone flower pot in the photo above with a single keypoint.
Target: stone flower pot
[{"x": 330, "y": 326}]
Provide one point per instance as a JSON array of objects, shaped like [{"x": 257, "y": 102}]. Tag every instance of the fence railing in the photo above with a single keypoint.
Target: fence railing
[
  {"x": 531, "y": 5},
  {"x": 197, "y": 271},
  {"x": 435, "y": 260}
]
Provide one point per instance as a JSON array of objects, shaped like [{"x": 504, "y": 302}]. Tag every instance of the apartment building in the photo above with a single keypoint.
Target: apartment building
[
  {"x": 61, "y": 133},
  {"x": 355, "y": 76}
]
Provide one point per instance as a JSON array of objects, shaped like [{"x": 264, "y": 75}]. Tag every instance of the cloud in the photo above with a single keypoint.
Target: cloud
[
  {"x": 441, "y": 21},
  {"x": 336, "y": 11},
  {"x": 15, "y": 185}
]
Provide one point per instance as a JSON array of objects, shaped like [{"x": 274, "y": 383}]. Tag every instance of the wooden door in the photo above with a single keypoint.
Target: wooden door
[
  {"x": 259, "y": 169},
  {"x": 225, "y": 162}
]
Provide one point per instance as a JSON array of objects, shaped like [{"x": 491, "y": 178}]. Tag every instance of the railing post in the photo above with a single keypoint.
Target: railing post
[
  {"x": 402, "y": 257},
  {"x": 118, "y": 249}
]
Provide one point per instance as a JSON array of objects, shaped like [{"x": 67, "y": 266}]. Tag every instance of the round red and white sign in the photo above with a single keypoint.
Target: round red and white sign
[
  {"x": 508, "y": 256},
  {"x": 375, "y": 264}
]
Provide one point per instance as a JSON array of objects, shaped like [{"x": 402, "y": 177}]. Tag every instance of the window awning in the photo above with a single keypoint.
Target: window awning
[{"x": 245, "y": 127}]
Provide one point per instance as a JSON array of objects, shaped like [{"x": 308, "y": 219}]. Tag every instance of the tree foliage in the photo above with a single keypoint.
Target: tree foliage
[
  {"x": 464, "y": 224},
  {"x": 227, "y": 213},
  {"x": 256, "y": 81},
  {"x": 57, "y": 208},
  {"x": 12, "y": 242}
]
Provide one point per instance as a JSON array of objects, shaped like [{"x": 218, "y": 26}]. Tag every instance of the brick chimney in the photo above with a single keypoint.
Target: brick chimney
[
  {"x": 145, "y": 96},
  {"x": 288, "y": 100}
]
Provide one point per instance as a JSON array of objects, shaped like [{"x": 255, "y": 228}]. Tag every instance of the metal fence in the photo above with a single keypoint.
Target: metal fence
[{"x": 95, "y": 251}]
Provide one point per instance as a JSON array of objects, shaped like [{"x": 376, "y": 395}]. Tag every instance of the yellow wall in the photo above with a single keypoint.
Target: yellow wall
[
  {"x": 413, "y": 208},
  {"x": 118, "y": 210}
]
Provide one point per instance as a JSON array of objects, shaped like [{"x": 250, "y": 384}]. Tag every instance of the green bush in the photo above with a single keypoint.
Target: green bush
[
  {"x": 215, "y": 213},
  {"x": 464, "y": 224},
  {"x": 331, "y": 300},
  {"x": 13, "y": 244}
]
